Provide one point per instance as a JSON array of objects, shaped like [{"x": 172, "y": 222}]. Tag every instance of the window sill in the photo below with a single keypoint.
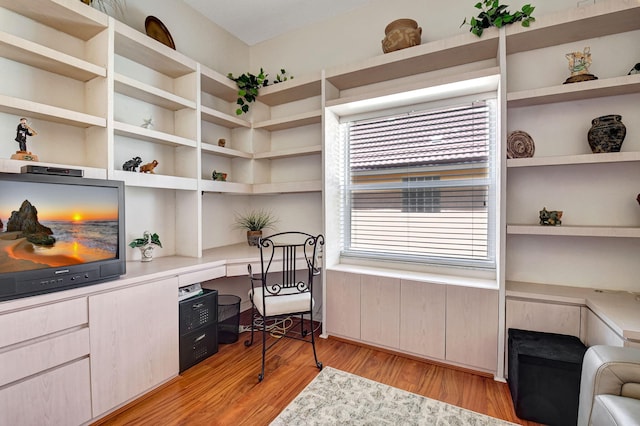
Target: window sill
[{"x": 428, "y": 277}]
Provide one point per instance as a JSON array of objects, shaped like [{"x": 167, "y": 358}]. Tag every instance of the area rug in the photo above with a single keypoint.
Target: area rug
[{"x": 335, "y": 397}]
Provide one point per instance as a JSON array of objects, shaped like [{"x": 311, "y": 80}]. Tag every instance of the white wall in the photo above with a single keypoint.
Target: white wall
[
  {"x": 193, "y": 34},
  {"x": 358, "y": 34}
]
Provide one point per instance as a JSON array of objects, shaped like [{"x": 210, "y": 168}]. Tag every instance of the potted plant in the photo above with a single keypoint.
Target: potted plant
[
  {"x": 145, "y": 244},
  {"x": 494, "y": 14},
  {"x": 254, "y": 222},
  {"x": 249, "y": 85}
]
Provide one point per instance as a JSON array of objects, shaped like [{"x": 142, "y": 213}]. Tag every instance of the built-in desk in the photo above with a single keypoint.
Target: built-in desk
[
  {"x": 66, "y": 345},
  {"x": 605, "y": 316}
]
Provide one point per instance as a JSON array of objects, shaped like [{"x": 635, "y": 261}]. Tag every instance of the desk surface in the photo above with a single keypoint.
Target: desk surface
[{"x": 620, "y": 310}]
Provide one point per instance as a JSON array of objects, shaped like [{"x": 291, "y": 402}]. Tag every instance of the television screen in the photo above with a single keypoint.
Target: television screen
[{"x": 57, "y": 232}]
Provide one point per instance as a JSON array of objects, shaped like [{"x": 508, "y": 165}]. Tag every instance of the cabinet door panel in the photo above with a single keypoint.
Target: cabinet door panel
[
  {"x": 134, "y": 341},
  {"x": 343, "y": 304},
  {"x": 422, "y": 318},
  {"x": 61, "y": 396},
  {"x": 598, "y": 333},
  {"x": 545, "y": 317},
  {"x": 472, "y": 327},
  {"x": 380, "y": 310}
]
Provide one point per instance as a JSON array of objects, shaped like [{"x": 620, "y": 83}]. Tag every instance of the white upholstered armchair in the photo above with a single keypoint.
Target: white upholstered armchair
[{"x": 610, "y": 387}]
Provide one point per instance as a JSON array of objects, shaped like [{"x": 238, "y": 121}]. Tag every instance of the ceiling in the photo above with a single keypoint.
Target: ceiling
[{"x": 254, "y": 21}]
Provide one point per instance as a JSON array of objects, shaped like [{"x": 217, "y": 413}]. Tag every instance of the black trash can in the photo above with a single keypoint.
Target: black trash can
[{"x": 228, "y": 318}]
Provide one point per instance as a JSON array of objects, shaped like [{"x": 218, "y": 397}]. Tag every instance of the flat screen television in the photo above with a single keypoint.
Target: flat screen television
[{"x": 59, "y": 232}]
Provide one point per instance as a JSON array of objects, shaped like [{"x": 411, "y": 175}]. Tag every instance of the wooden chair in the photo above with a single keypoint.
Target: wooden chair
[{"x": 284, "y": 289}]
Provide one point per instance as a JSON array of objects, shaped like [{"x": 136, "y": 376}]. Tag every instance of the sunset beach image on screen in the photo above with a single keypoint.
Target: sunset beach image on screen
[{"x": 83, "y": 221}]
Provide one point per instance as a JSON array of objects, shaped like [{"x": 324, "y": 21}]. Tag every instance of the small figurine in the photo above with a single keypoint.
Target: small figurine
[
  {"x": 132, "y": 165},
  {"x": 579, "y": 63},
  {"x": 219, "y": 176},
  {"x": 222, "y": 142},
  {"x": 148, "y": 168},
  {"x": 21, "y": 135},
  {"x": 550, "y": 218},
  {"x": 147, "y": 123}
]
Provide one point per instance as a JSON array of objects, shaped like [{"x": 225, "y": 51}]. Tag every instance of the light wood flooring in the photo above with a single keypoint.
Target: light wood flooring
[{"x": 224, "y": 388}]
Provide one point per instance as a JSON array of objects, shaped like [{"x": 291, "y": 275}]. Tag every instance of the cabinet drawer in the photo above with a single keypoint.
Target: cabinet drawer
[
  {"x": 35, "y": 322},
  {"x": 34, "y": 358},
  {"x": 199, "y": 311},
  {"x": 200, "y": 276},
  {"x": 57, "y": 397}
]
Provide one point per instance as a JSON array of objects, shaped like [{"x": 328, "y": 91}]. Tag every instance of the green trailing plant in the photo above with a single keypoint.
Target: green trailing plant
[
  {"x": 147, "y": 238},
  {"x": 494, "y": 14},
  {"x": 250, "y": 84},
  {"x": 255, "y": 220}
]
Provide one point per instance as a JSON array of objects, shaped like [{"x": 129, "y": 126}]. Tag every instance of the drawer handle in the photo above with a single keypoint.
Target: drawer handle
[
  {"x": 199, "y": 338},
  {"x": 197, "y": 306}
]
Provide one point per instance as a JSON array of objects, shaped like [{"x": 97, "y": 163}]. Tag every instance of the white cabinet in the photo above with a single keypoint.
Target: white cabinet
[
  {"x": 422, "y": 318},
  {"x": 472, "y": 324},
  {"x": 380, "y": 310},
  {"x": 543, "y": 316},
  {"x": 44, "y": 353},
  {"x": 343, "y": 304},
  {"x": 134, "y": 341},
  {"x": 437, "y": 321},
  {"x": 61, "y": 396}
]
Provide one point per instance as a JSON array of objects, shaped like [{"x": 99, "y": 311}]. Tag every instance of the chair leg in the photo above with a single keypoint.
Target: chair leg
[
  {"x": 250, "y": 341},
  {"x": 313, "y": 342},
  {"x": 264, "y": 347}
]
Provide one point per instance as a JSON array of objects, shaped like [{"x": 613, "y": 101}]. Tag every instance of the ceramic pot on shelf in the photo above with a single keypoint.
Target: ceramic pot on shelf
[
  {"x": 606, "y": 134},
  {"x": 253, "y": 237},
  {"x": 147, "y": 253},
  {"x": 400, "y": 34}
]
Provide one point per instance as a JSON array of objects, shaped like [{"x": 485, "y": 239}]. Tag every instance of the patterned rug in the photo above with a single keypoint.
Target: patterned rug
[{"x": 335, "y": 397}]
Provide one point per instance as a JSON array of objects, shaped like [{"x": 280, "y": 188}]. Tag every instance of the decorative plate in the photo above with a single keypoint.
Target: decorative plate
[
  {"x": 156, "y": 30},
  {"x": 520, "y": 145}
]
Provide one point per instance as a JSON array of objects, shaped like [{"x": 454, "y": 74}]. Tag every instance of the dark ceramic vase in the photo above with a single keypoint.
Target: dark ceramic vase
[{"x": 606, "y": 134}]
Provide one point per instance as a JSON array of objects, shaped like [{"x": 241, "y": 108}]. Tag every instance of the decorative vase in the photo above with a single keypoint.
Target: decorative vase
[
  {"x": 400, "y": 34},
  {"x": 147, "y": 253},
  {"x": 606, "y": 134},
  {"x": 253, "y": 237}
]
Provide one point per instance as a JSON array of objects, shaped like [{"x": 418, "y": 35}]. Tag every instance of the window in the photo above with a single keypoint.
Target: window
[{"x": 420, "y": 186}]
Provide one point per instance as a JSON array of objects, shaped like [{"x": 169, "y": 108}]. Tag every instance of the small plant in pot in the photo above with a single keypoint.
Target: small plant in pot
[
  {"x": 254, "y": 221},
  {"x": 249, "y": 85},
  {"x": 145, "y": 244},
  {"x": 494, "y": 14}
]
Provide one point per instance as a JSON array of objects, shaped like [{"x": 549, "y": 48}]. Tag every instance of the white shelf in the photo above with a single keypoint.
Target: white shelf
[
  {"x": 38, "y": 56},
  {"x": 225, "y": 120},
  {"x": 150, "y": 94},
  {"x": 623, "y": 85},
  {"x": 293, "y": 152},
  {"x": 148, "y": 180},
  {"x": 291, "y": 90},
  {"x": 563, "y": 160},
  {"x": 575, "y": 231},
  {"x": 290, "y": 122},
  {"x": 287, "y": 187},
  {"x": 575, "y": 24},
  {"x": 151, "y": 53},
  {"x": 224, "y": 152},
  {"x": 13, "y": 166},
  {"x": 485, "y": 80},
  {"x": 136, "y": 132},
  {"x": 218, "y": 85},
  {"x": 435, "y": 55},
  {"x": 225, "y": 187},
  {"x": 22, "y": 107},
  {"x": 69, "y": 16}
]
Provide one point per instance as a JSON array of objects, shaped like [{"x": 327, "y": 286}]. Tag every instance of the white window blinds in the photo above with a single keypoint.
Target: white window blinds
[{"x": 421, "y": 186}]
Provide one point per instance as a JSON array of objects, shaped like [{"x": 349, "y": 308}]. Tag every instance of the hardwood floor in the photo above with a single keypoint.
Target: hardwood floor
[{"x": 224, "y": 389}]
